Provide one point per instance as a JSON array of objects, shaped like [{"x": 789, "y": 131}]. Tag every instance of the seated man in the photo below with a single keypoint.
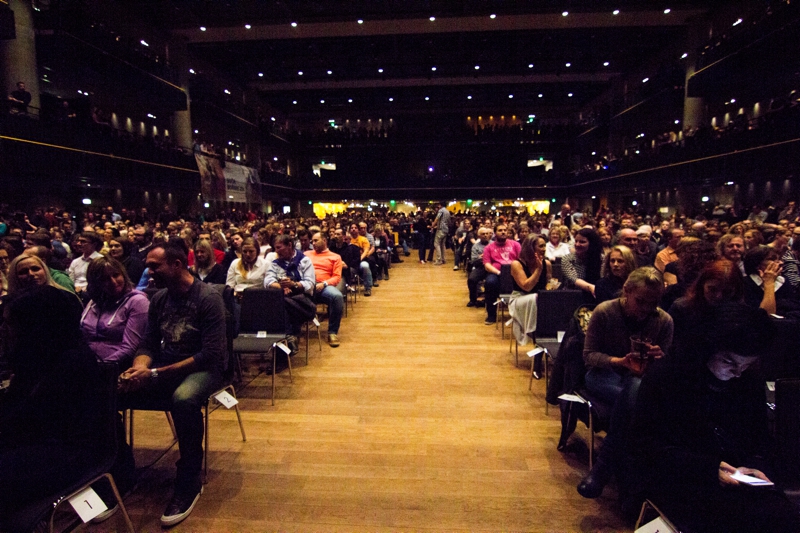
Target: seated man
[
  {"x": 350, "y": 254},
  {"x": 366, "y": 251},
  {"x": 89, "y": 245},
  {"x": 181, "y": 360},
  {"x": 496, "y": 254},
  {"x": 614, "y": 370},
  {"x": 294, "y": 273},
  {"x": 478, "y": 273},
  {"x": 329, "y": 287}
]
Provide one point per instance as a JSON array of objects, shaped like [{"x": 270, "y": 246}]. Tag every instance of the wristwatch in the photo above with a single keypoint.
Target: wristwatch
[{"x": 153, "y": 373}]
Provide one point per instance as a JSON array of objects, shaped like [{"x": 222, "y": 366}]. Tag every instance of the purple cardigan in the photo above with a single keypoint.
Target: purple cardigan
[{"x": 115, "y": 334}]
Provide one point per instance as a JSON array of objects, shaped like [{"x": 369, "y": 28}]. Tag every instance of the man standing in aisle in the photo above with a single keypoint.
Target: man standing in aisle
[
  {"x": 181, "y": 360},
  {"x": 442, "y": 227},
  {"x": 496, "y": 254}
]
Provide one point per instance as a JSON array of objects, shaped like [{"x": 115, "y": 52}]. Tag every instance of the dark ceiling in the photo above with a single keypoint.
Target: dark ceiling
[{"x": 521, "y": 53}]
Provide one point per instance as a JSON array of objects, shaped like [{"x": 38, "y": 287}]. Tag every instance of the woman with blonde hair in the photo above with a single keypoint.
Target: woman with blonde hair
[
  {"x": 619, "y": 262},
  {"x": 206, "y": 268},
  {"x": 248, "y": 270}
]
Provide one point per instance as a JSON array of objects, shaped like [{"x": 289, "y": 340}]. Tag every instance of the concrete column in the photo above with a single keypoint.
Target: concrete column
[
  {"x": 178, "y": 56},
  {"x": 18, "y": 56},
  {"x": 694, "y": 108}
]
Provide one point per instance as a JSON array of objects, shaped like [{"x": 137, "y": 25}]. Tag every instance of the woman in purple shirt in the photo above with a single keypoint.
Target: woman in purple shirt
[{"x": 115, "y": 319}]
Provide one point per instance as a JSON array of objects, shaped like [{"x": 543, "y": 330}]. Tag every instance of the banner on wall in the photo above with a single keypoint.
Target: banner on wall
[{"x": 233, "y": 183}]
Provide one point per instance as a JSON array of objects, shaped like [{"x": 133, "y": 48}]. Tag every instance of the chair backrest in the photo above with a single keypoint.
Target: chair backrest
[
  {"x": 558, "y": 271},
  {"x": 262, "y": 310},
  {"x": 787, "y": 427},
  {"x": 229, "y": 300},
  {"x": 555, "y": 310},
  {"x": 506, "y": 280}
]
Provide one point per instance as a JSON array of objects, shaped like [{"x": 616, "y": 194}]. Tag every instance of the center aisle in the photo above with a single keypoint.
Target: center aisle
[{"x": 418, "y": 421}]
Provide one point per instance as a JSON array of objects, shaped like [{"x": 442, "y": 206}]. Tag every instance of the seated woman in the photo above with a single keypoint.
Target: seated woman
[
  {"x": 693, "y": 256},
  {"x": 764, "y": 287},
  {"x": 701, "y": 417},
  {"x": 121, "y": 251},
  {"x": 530, "y": 272},
  {"x": 115, "y": 318},
  {"x": 50, "y": 420},
  {"x": 614, "y": 370},
  {"x": 382, "y": 250},
  {"x": 29, "y": 271},
  {"x": 206, "y": 268},
  {"x": 247, "y": 271},
  {"x": 555, "y": 248},
  {"x": 582, "y": 268},
  {"x": 619, "y": 263}
]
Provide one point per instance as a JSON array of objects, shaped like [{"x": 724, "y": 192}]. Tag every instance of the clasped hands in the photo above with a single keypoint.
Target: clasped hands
[
  {"x": 636, "y": 363},
  {"x": 134, "y": 378}
]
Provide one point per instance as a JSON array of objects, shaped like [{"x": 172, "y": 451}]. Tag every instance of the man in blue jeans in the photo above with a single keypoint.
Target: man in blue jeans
[
  {"x": 180, "y": 361},
  {"x": 329, "y": 287}
]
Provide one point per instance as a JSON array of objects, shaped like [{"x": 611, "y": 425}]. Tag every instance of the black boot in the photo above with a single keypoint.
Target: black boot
[{"x": 593, "y": 484}]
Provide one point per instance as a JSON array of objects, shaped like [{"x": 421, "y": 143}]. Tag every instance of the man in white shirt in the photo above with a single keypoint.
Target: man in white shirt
[{"x": 89, "y": 244}]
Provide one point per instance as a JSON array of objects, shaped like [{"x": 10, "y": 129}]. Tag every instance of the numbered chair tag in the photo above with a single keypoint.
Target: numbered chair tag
[
  {"x": 510, "y": 321},
  {"x": 316, "y": 322},
  {"x": 535, "y": 351},
  {"x": 261, "y": 335},
  {"x": 284, "y": 348},
  {"x": 656, "y": 526},
  {"x": 560, "y": 336},
  {"x": 226, "y": 399},
  {"x": 87, "y": 504}
]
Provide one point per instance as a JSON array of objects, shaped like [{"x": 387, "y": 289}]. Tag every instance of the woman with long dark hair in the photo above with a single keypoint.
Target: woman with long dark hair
[{"x": 582, "y": 268}]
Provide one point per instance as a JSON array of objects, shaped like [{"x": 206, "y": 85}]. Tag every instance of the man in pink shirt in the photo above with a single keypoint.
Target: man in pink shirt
[
  {"x": 501, "y": 251},
  {"x": 328, "y": 273}
]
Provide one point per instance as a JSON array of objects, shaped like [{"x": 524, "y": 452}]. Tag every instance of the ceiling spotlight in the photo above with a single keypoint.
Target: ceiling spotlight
[
  {"x": 733, "y": 100},
  {"x": 677, "y": 121},
  {"x": 191, "y": 71},
  {"x": 511, "y": 96},
  {"x": 294, "y": 102},
  {"x": 564, "y": 13},
  {"x": 294, "y": 24},
  {"x": 477, "y": 67},
  {"x": 684, "y": 56},
  {"x": 360, "y": 21},
  {"x": 247, "y": 26},
  {"x": 391, "y": 99},
  {"x": 202, "y": 28},
  {"x": 226, "y": 91},
  {"x": 541, "y": 95},
  {"x": 606, "y": 64},
  {"x": 330, "y": 72},
  {"x": 569, "y": 65},
  {"x": 350, "y": 100},
  {"x": 492, "y": 16},
  {"x": 433, "y": 69},
  {"x": 594, "y": 153},
  {"x": 197, "y": 131},
  {"x": 260, "y": 74},
  {"x": 299, "y": 72},
  {"x": 645, "y": 80},
  {"x": 667, "y": 11},
  {"x": 469, "y": 97},
  {"x": 738, "y": 21},
  {"x": 615, "y": 12},
  {"x": 144, "y": 43},
  {"x": 380, "y": 71},
  {"x": 530, "y": 65},
  {"x": 570, "y": 95},
  {"x": 322, "y": 101},
  {"x": 432, "y": 19},
  {"x": 427, "y": 98}
]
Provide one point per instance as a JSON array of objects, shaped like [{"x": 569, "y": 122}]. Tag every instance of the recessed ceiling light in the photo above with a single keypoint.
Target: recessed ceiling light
[
  {"x": 541, "y": 95},
  {"x": 684, "y": 56},
  {"x": 272, "y": 119},
  {"x": 433, "y": 69},
  {"x": 667, "y": 11},
  {"x": 144, "y": 43},
  {"x": 427, "y": 98},
  {"x": 492, "y": 16},
  {"x": 645, "y": 80},
  {"x": 594, "y": 153},
  {"x": 738, "y": 21},
  {"x": 330, "y": 72},
  {"x": 294, "y": 24},
  {"x": 274, "y": 158},
  {"x": 615, "y": 12},
  {"x": 322, "y": 101},
  {"x": 294, "y": 102},
  {"x": 564, "y": 13},
  {"x": 391, "y": 99},
  {"x": 569, "y": 64},
  {"x": 733, "y": 100},
  {"x": 191, "y": 71},
  {"x": 570, "y": 95},
  {"x": 247, "y": 26},
  {"x": 202, "y": 28},
  {"x": 605, "y": 64},
  {"x": 511, "y": 96},
  {"x": 677, "y": 121},
  {"x": 360, "y": 21},
  {"x": 299, "y": 72},
  {"x": 432, "y": 19},
  {"x": 226, "y": 91},
  {"x": 380, "y": 71},
  {"x": 350, "y": 100},
  {"x": 477, "y": 67},
  {"x": 197, "y": 131},
  {"x": 469, "y": 97},
  {"x": 260, "y": 74}
]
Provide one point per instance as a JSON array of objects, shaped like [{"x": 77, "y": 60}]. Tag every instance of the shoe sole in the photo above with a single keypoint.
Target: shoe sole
[
  {"x": 168, "y": 521},
  {"x": 105, "y": 515}
]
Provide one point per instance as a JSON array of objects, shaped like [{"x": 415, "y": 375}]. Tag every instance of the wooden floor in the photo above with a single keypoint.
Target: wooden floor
[{"x": 419, "y": 421}]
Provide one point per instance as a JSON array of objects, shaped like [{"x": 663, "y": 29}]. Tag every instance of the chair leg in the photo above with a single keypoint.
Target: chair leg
[
  {"x": 171, "y": 425},
  {"x": 289, "y": 361},
  {"x": 274, "y": 357},
  {"x": 122, "y": 508},
  {"x": 238, "y": 415},
  {"x": 130, "y": 428},
  {"x": 205, "y": 447},
  {"x": 545, "y": 356},
  {"x": 591, "y": 436}
]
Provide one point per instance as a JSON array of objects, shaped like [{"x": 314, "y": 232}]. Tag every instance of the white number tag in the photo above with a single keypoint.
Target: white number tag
[
  {"x": 316, "y": 322},
  {"x": 283, "y": 347},
  {"x": 87, "y": 504},
  {"x": 226, "y": 399}
]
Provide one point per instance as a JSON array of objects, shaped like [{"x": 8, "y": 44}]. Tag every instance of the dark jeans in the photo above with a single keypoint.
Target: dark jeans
[
  {"x": 492, "y": 290},
  {"x": 331, "y": 297},
  {"x": 621, "y": 392},
  {"x": 184, "y": 398},
  {"x": 420, "y": 240},
  {"x": 477, "y": 275}
]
